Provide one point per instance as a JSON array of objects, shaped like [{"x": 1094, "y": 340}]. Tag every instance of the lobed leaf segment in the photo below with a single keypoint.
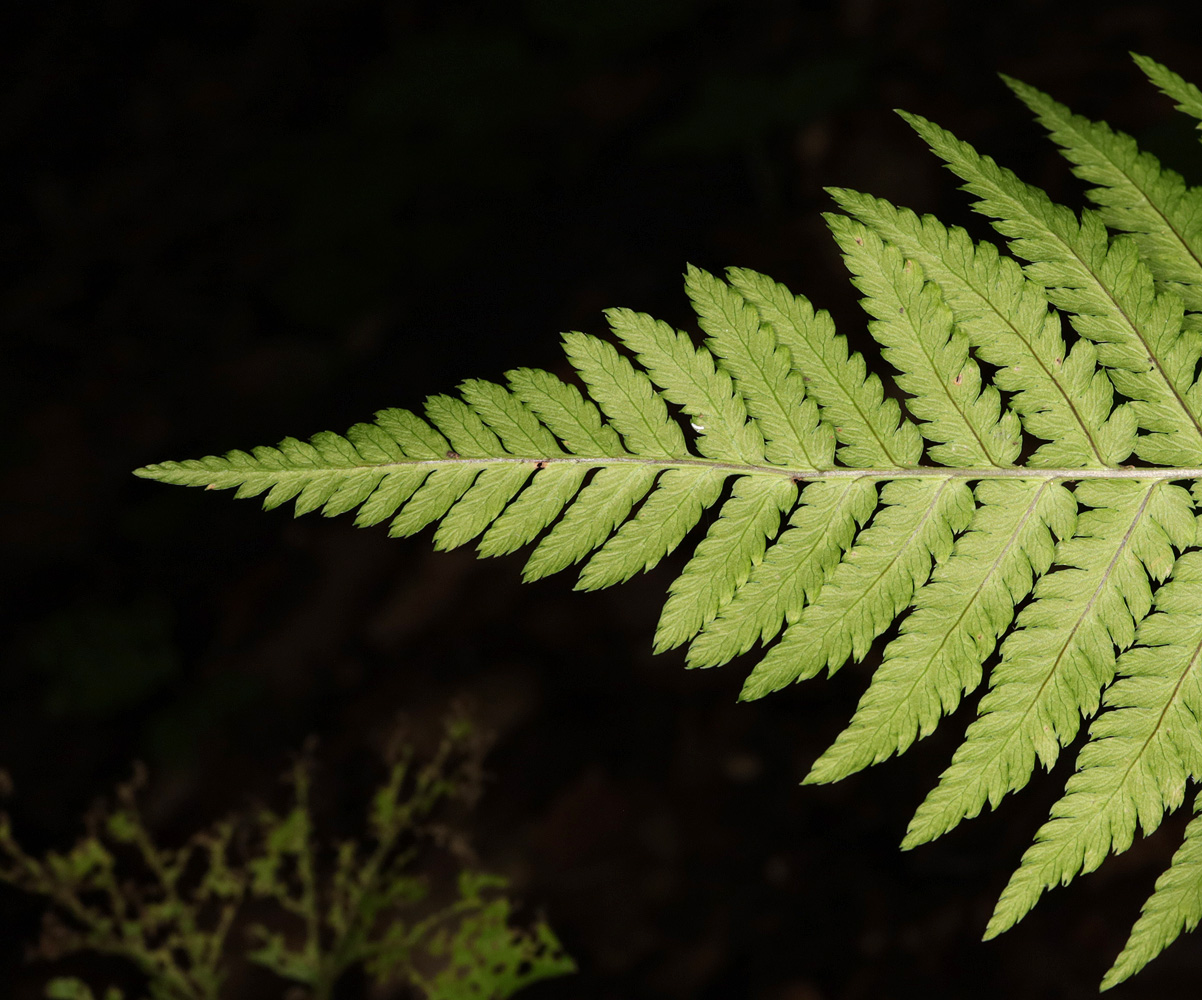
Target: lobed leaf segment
[{"x": 841, "y": 510}]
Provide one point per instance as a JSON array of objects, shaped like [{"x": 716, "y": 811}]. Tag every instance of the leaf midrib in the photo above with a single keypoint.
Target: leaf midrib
[{"x": 972, "y": 473}]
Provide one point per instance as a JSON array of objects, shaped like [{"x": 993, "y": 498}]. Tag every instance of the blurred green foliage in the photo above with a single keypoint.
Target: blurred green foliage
[{"x": 337, "y": 904}]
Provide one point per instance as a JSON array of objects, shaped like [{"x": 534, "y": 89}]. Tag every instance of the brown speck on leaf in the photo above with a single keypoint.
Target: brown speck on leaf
[
  {"x": 211, "y": 486},
  {"x": 958, "y": 379},
  {"x": 1059, "y": 362},
  {"x": 908, "y": 266},
  {"x": 859, "y": 240},
  {"x": 540, "y": 465},
  {"x": 901, "y": 310},
  {"x": 452, "y": 454}
]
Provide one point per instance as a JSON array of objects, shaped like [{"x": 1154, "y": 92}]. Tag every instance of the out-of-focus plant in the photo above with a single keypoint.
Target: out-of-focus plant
[
  {"x": 337, "y": 905},
  {"x": 171, "y": 921}
]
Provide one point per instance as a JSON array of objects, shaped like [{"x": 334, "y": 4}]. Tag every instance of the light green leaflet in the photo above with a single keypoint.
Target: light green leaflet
[{"x": 990, "y": 510}]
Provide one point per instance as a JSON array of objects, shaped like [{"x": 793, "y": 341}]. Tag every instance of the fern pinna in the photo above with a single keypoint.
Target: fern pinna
[{"x": 841, "y": 510}]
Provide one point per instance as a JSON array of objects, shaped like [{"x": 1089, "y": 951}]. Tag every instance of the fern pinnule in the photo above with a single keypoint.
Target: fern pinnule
[
  {"x": 791, "y": 573},
  {"x": 773, "y": 390},
  {"x": 1140, "y": 754},
  {"x": 1059, "y": 394},
  {"x": 725, "y": 560},
  {"x": 871, "y": 430},
  {"x": 957, "y": 620},
  {"x": 1187, "y": 95},
  {"x": 1174, "y": 906},
  {"x": 1108, "y": 292},
  {"x": 967, "y": 424},
  {"x": 1133, "y": 193}
]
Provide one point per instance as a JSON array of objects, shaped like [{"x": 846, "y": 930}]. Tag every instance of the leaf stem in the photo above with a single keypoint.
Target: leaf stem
[{"x": 805, "y": 475}]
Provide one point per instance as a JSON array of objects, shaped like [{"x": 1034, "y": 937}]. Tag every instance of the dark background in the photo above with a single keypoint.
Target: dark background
[{"x": 228, "y": 222}]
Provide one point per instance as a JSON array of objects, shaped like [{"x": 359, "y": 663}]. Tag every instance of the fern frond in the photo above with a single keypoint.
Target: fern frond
[{"x": 981, "y": 501}]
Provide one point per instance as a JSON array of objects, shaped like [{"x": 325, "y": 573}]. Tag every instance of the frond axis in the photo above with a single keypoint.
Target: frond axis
[{"x": 1158, "y": 473}]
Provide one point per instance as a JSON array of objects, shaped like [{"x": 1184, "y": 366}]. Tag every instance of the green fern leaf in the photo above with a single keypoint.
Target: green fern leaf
[
  {"x": 956, "y": 622},
  {"x": 600, "y": 507},
  {"x": 675, "y": 506},
  {"x": 1140, "y": 753},
  {"x": 868, "y": 426},
  {"x": 433, "y": 500},
  {"x": 791, "y": 573},
  {"x": 570, "y": 417},
  {"x": 724, "y": 559},
  {"x": 915, "y": 328},
  {"x": 626, "y": 396},
  {"x": 1175, "y": 905},
  {"x": 1187, "y": 95},
  {"x": 1133, "y": 193},
  {"x": 1107, "y": 289},
  {"x": 533, "y": 511},
  {"x": 519, "y": 430},
  {"x": 1061, "y": 656},
  {"x": 394, "y": 489},
  {"x": 688, "y": 377},
  {"x": 774, "y": 391},
  {"x": 1060, "y": 394},
  {"x": 416, "y": 438},
  {"x": 873, "y": 584},
  {"x": 980, "y": 500},
  {"x": 485, "y": 499}
]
